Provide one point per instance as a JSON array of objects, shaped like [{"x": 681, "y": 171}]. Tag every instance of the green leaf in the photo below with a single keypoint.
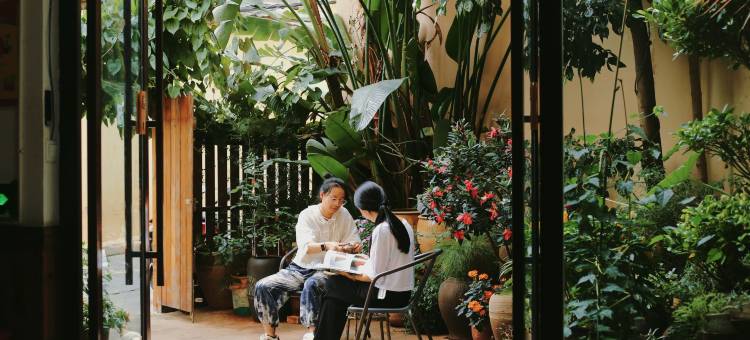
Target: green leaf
[
  {"x": 337, "y": 128},
  {"x": 590, "y": 278},
  {"x": 227, "y": 11},
  {"x": 634, "y": 157},
  {"x": 173, "y": 90},
  {"x": 704, "y": 240},
  {"x": 611, "y": 287},
  {"x": 222, "y": 33},
  {"x": 323, "y": 165},
  {"x": 261, "y": 28},
  {"x": 172, "y": 25},
  {"x": 715, "y": 254},
  {"x": 679, "y": 175},
  {"x": 368, "y": 99}
]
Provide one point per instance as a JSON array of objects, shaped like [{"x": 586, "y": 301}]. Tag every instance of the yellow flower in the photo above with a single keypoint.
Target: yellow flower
[
  {"x": 483, "y": 277},
  {"x": 473, "y": 273}
]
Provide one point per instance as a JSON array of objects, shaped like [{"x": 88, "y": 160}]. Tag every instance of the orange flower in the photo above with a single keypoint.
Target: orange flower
[
  {"x": 473, "y": 273},
  {"x": 483, "y": 277},
  {"x": 565, "y": 216},
  {"x": 487, "y": 294}
]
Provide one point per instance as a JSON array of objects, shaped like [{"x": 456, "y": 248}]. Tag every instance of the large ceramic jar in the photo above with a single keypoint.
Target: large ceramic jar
[
  {"x": 449, "y": 296},
  {"x": 501, "y": 312}
]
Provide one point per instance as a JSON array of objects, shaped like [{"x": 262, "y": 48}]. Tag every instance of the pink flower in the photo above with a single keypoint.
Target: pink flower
[
  {"x": 442, "y": 169},
  {"x": 494, "y": 132},
  {"x": 465, "y": 218}
]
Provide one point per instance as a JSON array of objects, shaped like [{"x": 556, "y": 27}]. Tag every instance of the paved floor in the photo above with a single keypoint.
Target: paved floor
[{"x": 211, "y": 325}]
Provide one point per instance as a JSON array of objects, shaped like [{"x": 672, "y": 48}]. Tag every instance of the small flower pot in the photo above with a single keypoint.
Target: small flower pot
[{"x": 484, "y": 334}]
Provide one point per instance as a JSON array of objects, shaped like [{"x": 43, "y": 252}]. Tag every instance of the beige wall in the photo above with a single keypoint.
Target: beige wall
[{"x": 113, "y": 186}]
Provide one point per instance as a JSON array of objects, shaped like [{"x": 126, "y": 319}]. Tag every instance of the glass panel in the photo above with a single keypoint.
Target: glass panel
[
  {"x": 122, "y": 302},
  {"x": 9, "y": 68}
]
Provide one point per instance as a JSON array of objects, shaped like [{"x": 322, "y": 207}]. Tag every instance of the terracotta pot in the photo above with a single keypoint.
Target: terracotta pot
[
  {"x": 428, "y": 233},
  {"x": 449, "y": 295},
  {"x": 411, "y": 216},
  {"x": 501, "y": 312},
  {"x": 484, "y": 334},
  {"x": 212, "y": 280},
  {"x": 396, "y": 320}
]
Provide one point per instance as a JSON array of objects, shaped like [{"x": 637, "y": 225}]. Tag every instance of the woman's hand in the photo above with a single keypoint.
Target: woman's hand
[{"x": 355, "y": 277}]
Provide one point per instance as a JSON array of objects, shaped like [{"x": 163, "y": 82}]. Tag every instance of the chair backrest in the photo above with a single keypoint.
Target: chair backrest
[
  {"x": 427, "y": 258},
  {"x": 287, "y": 258}
]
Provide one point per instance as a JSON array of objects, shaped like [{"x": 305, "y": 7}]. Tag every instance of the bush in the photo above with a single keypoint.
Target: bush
[
  {"x": 690, "y": 318},
  {"x": 458, "y": 258},
  {"x": 716, "y": 237}
]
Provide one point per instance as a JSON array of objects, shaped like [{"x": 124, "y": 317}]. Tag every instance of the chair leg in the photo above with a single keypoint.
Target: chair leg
[
  {"x": 388, "y": 326},
  {"x": 382, "y": 334},
  {"x": 348, "y": 321},
  {"x": 414, "y": 325}
]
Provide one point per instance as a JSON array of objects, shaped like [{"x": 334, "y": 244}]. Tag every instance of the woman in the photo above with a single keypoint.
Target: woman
[
  {"x": 392, "y": 246},
  {"x": 320, "y": 227}
]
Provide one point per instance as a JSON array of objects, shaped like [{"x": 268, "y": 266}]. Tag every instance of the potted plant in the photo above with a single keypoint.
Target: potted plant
[
  {"x": 458, "y": 259},
  {"x": 475, "y": 304},
  {"x": 216, "y": 260},
  {"x": 113, "y": 317}
]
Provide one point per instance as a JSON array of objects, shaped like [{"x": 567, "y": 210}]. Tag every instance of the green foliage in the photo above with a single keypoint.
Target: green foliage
[
  {"x": 716, "y": 235},
  {"x": 606, "y": 249},
  {"x": 458, "y": 258},
  {"x": 113, "y": 317},
  {"x": 708, "y": 29},
  {"x": 427, "y": 311},
  {"x": 585, "y": 23},
  {"x": 725, "y": 134},
  {"x": 690, "y": 318},
  {"x": 469, "y": 183}
]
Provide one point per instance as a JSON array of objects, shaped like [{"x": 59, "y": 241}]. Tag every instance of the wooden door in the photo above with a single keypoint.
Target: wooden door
[{"x": 177, "y": 292}]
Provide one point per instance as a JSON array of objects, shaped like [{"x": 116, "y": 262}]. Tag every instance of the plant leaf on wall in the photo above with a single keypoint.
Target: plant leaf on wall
[{"x": 368, "y": 99}]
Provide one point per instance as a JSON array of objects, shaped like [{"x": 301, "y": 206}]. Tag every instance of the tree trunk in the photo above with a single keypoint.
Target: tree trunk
[
  {"x": 696, "y": 96},
  {"x": 645, "y": 91}
]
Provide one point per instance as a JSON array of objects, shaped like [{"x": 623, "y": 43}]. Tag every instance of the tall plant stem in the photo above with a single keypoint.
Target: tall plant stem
[
  {"x": 583, "y": 107},
  {"x": 696, "y": 96},
  {"x": 495, "y": 80},
  {"x": 617, "y": 68},
  {"x": 328, "y": 13}
]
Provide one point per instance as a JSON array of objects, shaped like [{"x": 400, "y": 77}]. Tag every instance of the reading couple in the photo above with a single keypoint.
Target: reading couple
[{"x": 325, "y": 298}]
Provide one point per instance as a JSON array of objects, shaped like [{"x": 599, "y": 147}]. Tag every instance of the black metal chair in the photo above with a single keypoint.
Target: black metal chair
[
  {"x": 366, "y": 312},
  {"x": 287, "y": 258}
]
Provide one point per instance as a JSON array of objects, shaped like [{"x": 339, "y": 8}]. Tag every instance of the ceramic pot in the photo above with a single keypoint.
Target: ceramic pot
[
  {"x": 450, "y": 294},
  {"x": 428, "y": 233},
  {"x": 212, "y": 280},
  {"x": 484, "y": 334},
  {"x": 501, "y": 312},
  {"x": 259, "y": 267}
]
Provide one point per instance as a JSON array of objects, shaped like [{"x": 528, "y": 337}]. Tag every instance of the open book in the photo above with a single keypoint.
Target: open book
[{"x": 343, "y": 262}]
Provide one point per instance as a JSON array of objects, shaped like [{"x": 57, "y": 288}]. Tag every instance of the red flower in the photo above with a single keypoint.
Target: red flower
[
  {"x": 471, "y": 189},
  {"x": 436, "y": 191},
  {"x": 507, "y": 234},
  {"x": 510, "y": 172},
  {"x": 440, "y": 217},
  {"x": 458, "y": 234},
  {"x": 493, "y": 212},
  {"x": 487, "y": 196},
  {"x": 494, "y": 132},
  {"x": 433, "y": 204},
  {"x": 429, "y": 163},
  {"x": 510, "y": 142},
  {"x": 449, "y": 187},
  {"x": 465, "y": 218}
]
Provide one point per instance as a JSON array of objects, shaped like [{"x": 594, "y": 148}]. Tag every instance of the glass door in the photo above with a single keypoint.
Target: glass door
[{"x": 118, "y": 139}]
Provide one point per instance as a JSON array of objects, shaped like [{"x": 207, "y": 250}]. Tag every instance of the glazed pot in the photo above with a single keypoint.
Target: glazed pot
[
  {"x": 501, "y": 312},
  {"x": 450, "y": 294},
  {"x": 259, "y": 267}
]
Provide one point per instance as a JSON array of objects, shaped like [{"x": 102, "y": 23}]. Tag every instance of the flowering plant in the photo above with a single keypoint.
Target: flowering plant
[
  {"x": 469, "y": 183},
  {"x": 476, "y": 300},
  {"x": 364, "y": 228}
]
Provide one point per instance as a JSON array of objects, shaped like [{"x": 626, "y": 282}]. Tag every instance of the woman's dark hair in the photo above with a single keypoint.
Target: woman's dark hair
[
  {"x": 371, "y": 197},
  {"x": 331, "y": 182}
]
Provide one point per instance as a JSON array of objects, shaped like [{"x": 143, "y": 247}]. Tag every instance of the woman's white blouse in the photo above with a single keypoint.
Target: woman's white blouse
[
  {"x": 312, "y": 227},
  {"x": 385, "y": 255}
]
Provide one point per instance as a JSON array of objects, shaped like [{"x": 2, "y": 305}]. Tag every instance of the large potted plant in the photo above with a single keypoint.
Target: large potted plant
[
  {"x": 452, "y": 267},
  {"x": 475, "y": 304}
]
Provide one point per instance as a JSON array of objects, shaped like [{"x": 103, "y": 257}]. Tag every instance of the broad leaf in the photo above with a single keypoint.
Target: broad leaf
[
  {"x": 323, "y": 165},
  {"x": 679, "y": 175},
  {"x": 337, "y": 128},
  {"x": 368, "y": 99}
]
